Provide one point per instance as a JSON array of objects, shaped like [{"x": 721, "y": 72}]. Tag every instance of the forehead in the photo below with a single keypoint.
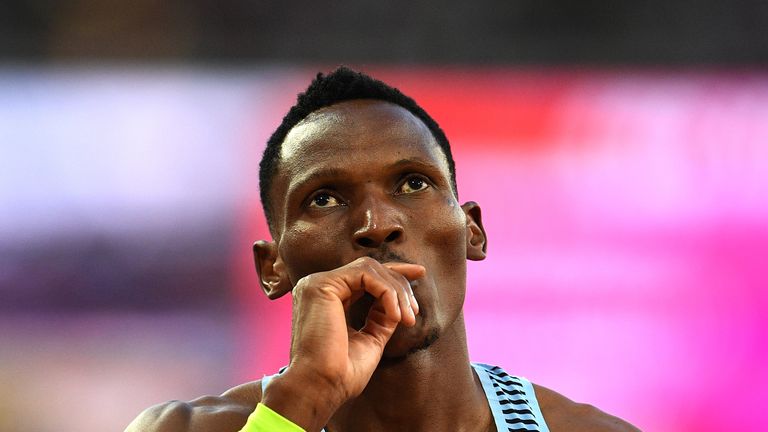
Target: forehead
[
  {"x": 348, "y": 134},
  {"x": 355, "y": 129}
]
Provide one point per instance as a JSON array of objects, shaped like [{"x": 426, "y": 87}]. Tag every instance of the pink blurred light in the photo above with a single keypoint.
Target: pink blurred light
[{"x": 628, "y": 238}]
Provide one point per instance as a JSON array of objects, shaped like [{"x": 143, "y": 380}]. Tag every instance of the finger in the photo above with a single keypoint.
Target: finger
[
  {"x": 347, "y": 282},
  {"x": 368, "y": 275},
  {"x": 378, "y": 321},
  {"x": 367, "y": 344},
  {"x": 384, "y": 291},
  {"x": 390, "y": 280},
  {"x": 411, "y": 272},
  {"x": 404, "y": 294},
  {"x": 378, "y": 324}
]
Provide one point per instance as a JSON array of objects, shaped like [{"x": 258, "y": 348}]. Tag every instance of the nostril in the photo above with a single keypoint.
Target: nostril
[
  {"x": 365, "y": 242},
  {"x": 375, "y": 240},
  {"x": 392, "y": 236}
]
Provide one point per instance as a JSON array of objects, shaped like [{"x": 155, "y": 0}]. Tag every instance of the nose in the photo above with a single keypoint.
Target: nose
[{"x": 380, "y": 223}]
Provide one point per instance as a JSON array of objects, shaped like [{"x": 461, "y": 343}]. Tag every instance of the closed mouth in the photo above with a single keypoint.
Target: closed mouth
[{"x": 386, "y": 255}]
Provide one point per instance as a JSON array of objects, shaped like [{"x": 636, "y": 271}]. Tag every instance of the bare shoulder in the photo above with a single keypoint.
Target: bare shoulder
[
  {"x": 563, "y": 414},
  {"x": 224, "y": 413}
]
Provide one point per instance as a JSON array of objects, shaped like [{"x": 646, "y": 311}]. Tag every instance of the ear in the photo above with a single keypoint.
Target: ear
[
  {"x": 476, "y": 239},
  {"x": 272, "y": 277}
]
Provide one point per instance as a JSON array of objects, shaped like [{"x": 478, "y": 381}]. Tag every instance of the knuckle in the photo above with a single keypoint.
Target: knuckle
[
  {"x": 400, "y": 278},
  {"x": 301, "y": 285},
  {"x": 326, "y": 290},
  {"x": 305, "y": 283},
  {"x": 316, "y": 285},
  {"x": 368, "y": 266},
  {"x": 366, "y": 262}
]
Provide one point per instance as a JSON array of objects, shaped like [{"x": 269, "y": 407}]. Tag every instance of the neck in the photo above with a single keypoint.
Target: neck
[{"x": 432, "y": 389}]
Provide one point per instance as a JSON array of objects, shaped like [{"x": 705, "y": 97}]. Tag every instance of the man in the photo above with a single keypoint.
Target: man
[{"x": 358, "y": 186}]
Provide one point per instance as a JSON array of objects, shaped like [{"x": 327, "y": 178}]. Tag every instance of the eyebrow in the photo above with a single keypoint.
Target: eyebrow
[
  {"x": 307, "y": 177},
  {"x": 417, "y": 161},
  {"x": 323, "y": 173}
]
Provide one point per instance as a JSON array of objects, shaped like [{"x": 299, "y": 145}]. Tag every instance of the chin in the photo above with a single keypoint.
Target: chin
[{"x": 409, "y": 340}]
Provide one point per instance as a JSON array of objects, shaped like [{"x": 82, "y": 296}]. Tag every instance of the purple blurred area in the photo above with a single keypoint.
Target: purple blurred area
[
  {"x": 626, "y": 213},
  {"x": 121, "y": 191}
]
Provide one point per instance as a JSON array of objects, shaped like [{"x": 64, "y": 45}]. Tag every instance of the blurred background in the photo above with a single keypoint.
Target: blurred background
[{"x": 619, "y": 151}]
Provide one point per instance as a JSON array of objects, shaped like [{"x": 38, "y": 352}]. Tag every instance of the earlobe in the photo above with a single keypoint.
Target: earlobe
[
  {"x": 269, "y": 266},
  {"x": 477, "y": 241}
]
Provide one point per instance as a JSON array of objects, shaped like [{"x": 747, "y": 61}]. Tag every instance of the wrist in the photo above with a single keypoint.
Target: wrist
[
  {"x": 264, "y": 419},
  {"x": 304, "y": 400}
]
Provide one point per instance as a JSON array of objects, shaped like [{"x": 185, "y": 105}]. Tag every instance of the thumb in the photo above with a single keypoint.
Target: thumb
[
  {"x": 378, "y": 329},
  {"x": 409, "y": 271}
]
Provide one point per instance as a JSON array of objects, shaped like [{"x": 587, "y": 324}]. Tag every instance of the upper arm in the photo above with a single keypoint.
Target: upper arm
[
  {"x": 563, "y": 414},
  {"x": 173, "y": 416},
  {"x": 225, "y": 413}
]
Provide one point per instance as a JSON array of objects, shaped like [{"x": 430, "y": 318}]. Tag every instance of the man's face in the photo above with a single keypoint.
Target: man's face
[{"x": 367, "y": 178}]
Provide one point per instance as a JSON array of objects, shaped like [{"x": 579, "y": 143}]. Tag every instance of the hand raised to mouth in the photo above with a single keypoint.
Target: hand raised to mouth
[{"x": 332, "y": 362}]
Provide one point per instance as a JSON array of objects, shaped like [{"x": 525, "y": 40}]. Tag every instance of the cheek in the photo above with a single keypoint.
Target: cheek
[
  {"x": 446, "y": 234},
  {"x": 305, "y": 250},
  {"x": 446, "y": 244}
]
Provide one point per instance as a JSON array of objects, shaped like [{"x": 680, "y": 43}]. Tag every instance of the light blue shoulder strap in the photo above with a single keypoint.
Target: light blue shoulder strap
[
  {"x": 498, "y": 392},
  {"x": 265, "y": 380}
]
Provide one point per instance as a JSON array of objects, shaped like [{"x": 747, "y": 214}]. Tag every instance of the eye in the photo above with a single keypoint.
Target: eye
[
  {"x": 413, "y": 184},
  {"x": 324, "y": 200}
]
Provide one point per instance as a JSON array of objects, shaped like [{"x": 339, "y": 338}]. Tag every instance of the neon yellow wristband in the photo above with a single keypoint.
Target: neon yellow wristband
[{"x": 263, "y": 419}]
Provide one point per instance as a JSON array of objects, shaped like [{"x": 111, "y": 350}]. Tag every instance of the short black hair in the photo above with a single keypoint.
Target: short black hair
[{"x": 341, "y": 85}]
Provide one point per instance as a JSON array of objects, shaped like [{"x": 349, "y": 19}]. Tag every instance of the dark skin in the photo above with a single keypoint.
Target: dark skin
[{"x": 370, "y": 239}]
